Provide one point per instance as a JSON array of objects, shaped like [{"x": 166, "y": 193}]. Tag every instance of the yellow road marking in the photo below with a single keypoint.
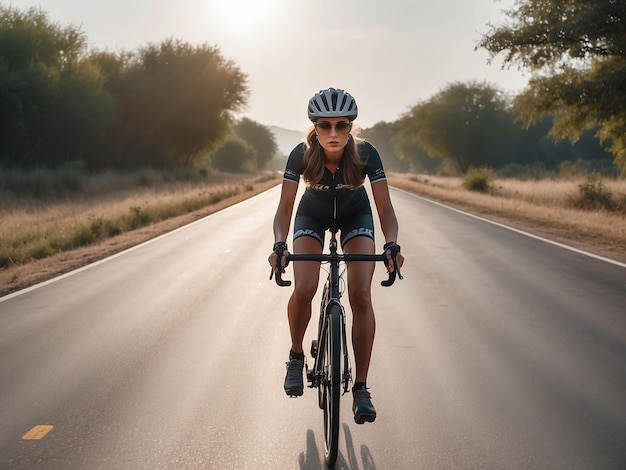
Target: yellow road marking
[{"x": 38, "y": 432}]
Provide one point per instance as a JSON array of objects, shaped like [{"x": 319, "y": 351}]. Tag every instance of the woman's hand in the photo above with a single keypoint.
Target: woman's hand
[
  {"x": 278, "y": 258},
  {"x": 392, "y": 251}
]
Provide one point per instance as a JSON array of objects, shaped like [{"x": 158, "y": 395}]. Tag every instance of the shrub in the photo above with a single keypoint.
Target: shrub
[
  {"x": 42, "y": 249},
  {"x": 84, "y": 236},
  {"x": 478, "y": 179},
  {"x": 235, "y": 156},
  {"x": 141, "y": 217},
  {"x": 593, "y": 195}
]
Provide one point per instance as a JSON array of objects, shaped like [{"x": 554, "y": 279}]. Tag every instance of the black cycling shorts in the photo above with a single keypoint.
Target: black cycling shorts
[{"x": 360, "y": 225}]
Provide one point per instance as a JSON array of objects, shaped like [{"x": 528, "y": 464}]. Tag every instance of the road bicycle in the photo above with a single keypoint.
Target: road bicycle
[{"x": 331, "y": 373}]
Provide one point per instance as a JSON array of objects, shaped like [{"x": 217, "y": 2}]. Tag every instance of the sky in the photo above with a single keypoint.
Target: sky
[{"x": 389, "y": 54}]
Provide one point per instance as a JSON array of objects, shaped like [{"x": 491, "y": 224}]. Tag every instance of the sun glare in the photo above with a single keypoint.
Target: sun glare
[{"x": 243, "y": 16}]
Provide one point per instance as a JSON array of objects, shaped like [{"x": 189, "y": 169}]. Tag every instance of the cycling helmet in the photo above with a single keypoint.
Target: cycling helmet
[{"x": 332, "y": 103}]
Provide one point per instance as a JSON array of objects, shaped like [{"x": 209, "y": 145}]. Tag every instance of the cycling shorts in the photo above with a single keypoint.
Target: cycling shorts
[{"x": 360, "y": 225}]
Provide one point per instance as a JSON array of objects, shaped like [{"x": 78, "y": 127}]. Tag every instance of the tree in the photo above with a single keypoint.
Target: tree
[
  {"x": 178, "y": 102},
  {"x": 576, "y": 53},
  {"x": 167, "y": 104},
  {"x": 468, "y": 124},
  {"x": 381, "y": 135},
  {"x": 259, "y": 137},
  {"x": 537, "y": 147},
  {"x": 235, "y": 156},
  {"x": 82, "y": 116},
  {"x": 54, "y": 107}
]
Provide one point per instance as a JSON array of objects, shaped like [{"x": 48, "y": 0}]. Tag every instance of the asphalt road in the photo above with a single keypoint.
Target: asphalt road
[{"x": 498, "y": 350}]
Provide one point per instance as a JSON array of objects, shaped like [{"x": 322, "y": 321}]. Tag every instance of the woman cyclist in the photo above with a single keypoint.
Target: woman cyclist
[{"x": 334, "y": 164}]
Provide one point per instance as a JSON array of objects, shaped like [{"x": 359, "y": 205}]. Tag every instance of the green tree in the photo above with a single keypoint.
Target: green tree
[
  {"x": 576, "y": 53},
  {"x": 12, "y": 122},
  {"x": 178, "y": 102},
  {"x": 167, "y": 104},
  {"x": 468, "y": 124},
  {"x": 381, "y": 135},
  {"x": 42, "y": 77},
  {"x": 407, "y": 148},
  {"x": 236, "y": 156},
  {"x": 84, "y": 113},
  {"x": 259, "y": 137}
]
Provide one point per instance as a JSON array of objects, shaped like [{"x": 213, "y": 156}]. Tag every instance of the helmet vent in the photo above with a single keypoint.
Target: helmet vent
[{"x": 332, "y": 102}]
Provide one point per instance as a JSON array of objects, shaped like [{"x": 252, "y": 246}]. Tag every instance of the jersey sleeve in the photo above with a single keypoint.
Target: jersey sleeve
[
  {"x": 295, "y": 164},
  {"x": 373, "y": 163}
]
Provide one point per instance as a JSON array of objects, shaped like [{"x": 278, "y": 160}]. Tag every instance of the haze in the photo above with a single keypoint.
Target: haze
[{"x": 389, "y": 55}]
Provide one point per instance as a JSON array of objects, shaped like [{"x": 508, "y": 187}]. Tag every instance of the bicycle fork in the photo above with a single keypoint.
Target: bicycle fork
[{"x": 315, "y": 375}]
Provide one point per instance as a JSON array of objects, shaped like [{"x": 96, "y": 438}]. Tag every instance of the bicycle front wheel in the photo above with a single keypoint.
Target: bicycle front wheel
[{"x": 332, "y": 383}]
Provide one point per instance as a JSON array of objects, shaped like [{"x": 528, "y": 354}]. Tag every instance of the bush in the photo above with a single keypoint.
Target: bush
[
  {"x": 593, "y": 195},
  {"x": 234, "y": 156},
  {"x": 42, "y": 184},
  {"x": 478, "y": 179}
]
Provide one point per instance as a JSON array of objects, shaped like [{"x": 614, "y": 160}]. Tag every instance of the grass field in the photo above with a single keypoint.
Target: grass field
[
  {"x": 49, "y": 232},
  {"x": 587, "y": 213}
]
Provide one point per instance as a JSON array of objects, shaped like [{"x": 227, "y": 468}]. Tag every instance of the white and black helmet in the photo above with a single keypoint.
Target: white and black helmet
[{"x": 332, "y": 102}]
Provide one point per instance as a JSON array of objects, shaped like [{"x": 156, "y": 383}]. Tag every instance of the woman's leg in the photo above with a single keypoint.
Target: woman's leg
[
  {"x": 306, "y": 277},
  {"x": 360, "y": 275}
]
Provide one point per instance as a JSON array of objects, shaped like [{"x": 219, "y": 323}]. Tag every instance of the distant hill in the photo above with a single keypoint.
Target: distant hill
[{"x": 286, "y": 139}]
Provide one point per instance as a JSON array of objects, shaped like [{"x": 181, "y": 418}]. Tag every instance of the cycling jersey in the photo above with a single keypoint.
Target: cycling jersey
[{"x": 331, "y": 203}]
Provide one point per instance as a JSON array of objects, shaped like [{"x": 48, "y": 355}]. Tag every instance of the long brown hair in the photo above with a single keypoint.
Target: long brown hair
[{"x": 315, "y": 165}]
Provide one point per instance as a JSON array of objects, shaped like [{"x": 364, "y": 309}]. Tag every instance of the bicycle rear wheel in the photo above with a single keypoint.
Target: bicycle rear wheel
[{"x": 332, "y": 383}]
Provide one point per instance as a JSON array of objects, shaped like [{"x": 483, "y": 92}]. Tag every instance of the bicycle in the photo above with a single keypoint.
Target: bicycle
[{"x": 329, "y": 374}]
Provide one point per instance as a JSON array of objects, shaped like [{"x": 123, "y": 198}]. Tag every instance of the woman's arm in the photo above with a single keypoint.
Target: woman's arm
[
  {"x": 386, "y": 213},
  {"x": 388, "y": 220},
  {"x": 282, "y": 219}
]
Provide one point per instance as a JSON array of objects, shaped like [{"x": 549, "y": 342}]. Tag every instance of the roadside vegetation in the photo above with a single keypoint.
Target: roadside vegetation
[
  {"x": 63, "y": 211},
  {"x": 587, "y": 212}
]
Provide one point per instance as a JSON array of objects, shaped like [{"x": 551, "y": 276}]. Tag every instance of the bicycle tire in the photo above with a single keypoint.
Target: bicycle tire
[
  {"x": 321, "y": 342},
  {"x": 332, "y": 384}
]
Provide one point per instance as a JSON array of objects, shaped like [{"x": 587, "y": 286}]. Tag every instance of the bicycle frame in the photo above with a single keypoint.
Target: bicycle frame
[
  {"x": 330, "y": 374},
  {"x": 330, "y": 306}
]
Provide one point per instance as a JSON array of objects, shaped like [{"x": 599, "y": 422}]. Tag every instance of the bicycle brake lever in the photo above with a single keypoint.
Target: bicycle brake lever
[
  {"x": 279, "y": 279},
  {"x": 390, "y": 280},
  {"x": 392, "y": 276}
]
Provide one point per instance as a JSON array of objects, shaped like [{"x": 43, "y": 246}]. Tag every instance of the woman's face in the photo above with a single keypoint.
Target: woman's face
[{"x": 333, "y": 134}]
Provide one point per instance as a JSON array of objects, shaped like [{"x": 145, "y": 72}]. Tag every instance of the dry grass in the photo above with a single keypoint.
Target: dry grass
[
  {"x": 39, "y": 240},
  {"x": 545, "y": 207},
  {"x": 64, "y": 225}
]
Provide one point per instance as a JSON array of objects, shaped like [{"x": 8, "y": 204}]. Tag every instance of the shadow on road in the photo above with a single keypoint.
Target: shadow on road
[{"x": 312, "y": 458}]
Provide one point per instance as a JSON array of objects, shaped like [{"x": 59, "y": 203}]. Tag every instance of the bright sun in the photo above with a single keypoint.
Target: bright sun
[{"x": 242, "y": 16}]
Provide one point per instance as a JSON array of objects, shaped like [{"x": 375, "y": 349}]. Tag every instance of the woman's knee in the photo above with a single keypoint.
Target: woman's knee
[
  {"x": 360, "y": 298},
  {"x": 304, "y": 292}
]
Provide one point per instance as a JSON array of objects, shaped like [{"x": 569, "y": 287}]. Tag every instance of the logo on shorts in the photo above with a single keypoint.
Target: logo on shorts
[
  {"x": 368, "y": 232},
  {"x": 306, "y": 232}
]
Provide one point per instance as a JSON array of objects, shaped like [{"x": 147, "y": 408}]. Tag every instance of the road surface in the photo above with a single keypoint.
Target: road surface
[{"x": 497, "y": 350}]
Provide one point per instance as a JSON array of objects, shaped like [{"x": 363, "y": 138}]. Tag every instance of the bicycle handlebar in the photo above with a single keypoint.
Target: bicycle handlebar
[{"x": 324, "y": 257}]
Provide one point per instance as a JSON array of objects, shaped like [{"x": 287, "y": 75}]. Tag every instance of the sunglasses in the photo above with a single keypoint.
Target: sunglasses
[{"x": 342, "y": 127}]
